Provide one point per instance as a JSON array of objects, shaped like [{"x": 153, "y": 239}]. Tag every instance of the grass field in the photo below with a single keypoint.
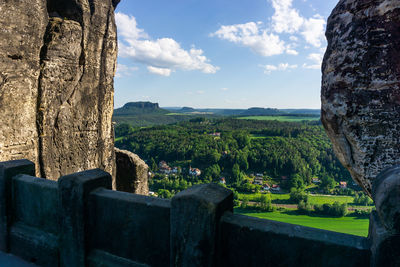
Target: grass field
[
  {"x": 280, "y": 118},
  {"x": 318, "y": 199},
  {"x": 347, "y": 225},
  {"x": 177, "y": 114},
  {"x": 257, "y": 136},
  {"x": 313, "y": 199}
]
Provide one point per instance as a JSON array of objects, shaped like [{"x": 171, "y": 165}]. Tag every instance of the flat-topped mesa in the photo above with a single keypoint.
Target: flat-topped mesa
[
  {"x": 57, "y": 63},
  {"x": 361, "y": 86}
]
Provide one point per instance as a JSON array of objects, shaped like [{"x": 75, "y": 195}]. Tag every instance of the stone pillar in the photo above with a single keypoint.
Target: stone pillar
[
  {"x": 384, "y": 226},
  {"x": 195, "y": 217},
  {"x": 73, "y": 194},
  {"x": 132, "y": 173},
  {"x": 8, "y": 170}
]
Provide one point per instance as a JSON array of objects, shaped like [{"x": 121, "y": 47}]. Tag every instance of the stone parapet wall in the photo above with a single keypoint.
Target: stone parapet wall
[{"x": 80, "y": 221}]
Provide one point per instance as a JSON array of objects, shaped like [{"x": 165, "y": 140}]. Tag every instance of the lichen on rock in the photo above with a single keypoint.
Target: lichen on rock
[
  {"x": 57, "y": 63},
  {"x": 361, "y": 86}
]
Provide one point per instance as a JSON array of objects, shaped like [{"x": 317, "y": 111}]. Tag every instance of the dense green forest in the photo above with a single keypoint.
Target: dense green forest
[
  {"x": 288, "y": 153},
  {"x": 145, "y": 114}
]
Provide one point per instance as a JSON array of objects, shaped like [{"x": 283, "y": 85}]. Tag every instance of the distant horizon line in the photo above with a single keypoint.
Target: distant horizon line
[{"x": 188, "y": 106}]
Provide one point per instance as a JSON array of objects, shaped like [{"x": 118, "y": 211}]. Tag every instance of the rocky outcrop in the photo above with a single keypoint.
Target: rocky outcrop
[
  {"x": 361, "y": 86},
  {"x": 57, "y": 63},
  {"x": 132, "y": 173},
  {"x": 142, "y": 105}
]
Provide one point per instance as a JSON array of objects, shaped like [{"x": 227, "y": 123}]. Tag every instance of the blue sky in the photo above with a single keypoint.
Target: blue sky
[{"x": 221, "y": 53}]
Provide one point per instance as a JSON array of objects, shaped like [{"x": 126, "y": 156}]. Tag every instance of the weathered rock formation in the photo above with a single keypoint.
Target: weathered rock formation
[
  {"x": 132, "y": 173},
  {"x": 57, "y": 63},
  {"x": 361, "y": 86}
]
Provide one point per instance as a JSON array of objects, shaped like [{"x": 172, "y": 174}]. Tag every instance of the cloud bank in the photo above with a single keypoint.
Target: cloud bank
[
  {"x": 268, "y": 40},
  {"x": 161, "y": 56}
]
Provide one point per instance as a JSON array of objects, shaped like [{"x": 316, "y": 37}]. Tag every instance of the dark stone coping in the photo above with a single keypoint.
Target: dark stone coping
[
  {"x": 132, "y": 198},
  {"x": 130, "y": 226},
  {"x": 299, "y": 231},
  {"x": 35, "y": 202},
  {"x": 9, "y": 260},
  {"x": 259, "y": 242},
  {"x": 34, "y": 245},
  {"x": 98, "y": 258}
]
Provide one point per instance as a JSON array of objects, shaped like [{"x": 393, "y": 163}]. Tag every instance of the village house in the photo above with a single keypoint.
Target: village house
[
  {"x": 266, "y": 187},
  {"x": 275, "y": 188},
  {"x": 258, "y": 180},
  {"x": 175, "y": 170},
  {"x": 343, "y": 185},
  {"x": 194, "y": 171},
  {"x": 164, "y": 168},
  {"x": 316, "y": 181},
  {"x": 216, "y": 134}
]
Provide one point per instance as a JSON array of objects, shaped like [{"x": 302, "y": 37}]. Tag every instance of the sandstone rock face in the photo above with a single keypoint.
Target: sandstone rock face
[
  {"x": 132, "y": 173},
  {"x": 361, "y": 86},
  {"x": 57, "y": 63}
]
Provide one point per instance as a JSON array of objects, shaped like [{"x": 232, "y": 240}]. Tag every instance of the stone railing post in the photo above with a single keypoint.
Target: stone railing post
[
  {"x": 73, "y": 193},
  {"x": 8, "y": 170},
  {"x": 195, "y": 217},
  {"x": 384, "y": 226}
]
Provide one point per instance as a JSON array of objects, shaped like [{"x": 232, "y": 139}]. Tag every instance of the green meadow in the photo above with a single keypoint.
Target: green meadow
[
  {"x": 348, "y": 224},
  {"x": 312, "y": 199},
  {"x": 280, "y": 118}
]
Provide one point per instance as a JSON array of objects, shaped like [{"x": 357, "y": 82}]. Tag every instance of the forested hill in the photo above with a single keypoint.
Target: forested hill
[
  {"x": 144, "y": 114},
  {"x": 138, "y": 108},
  {"x": 235, "y": 148}
]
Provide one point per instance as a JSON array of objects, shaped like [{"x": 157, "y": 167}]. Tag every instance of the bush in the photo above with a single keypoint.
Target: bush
[
  {"x": 362, "y": 199},
  {"x": 245, "y": 203},
  {"x": 318, "y": 209},
  {"x": 362, "y": 213},
  {"x": 265, "y": 203},
  {"x": 336, "y": 209},
  {"x": 164, "y": 193},
  {"x": 343, "y": 191},
  {"x": 304, "y": 207},
  {"x": 297, "y": 195}
]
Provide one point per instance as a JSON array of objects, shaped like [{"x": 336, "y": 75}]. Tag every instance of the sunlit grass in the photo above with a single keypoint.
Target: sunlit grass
[{"x": 347, "y": 225}]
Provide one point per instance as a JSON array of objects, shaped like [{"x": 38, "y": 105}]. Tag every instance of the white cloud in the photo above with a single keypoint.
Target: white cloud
[
  {"x": 313, "y": 30},
  {"x": 124, "y": 70},
  {"x": 269, "y": 41},
  {"x": 286, "y": 19},
  {"x": 162, "y": 56},
  {"x": 281, "y": 67},
  {"x": 159, "y": 71},
  {"x": 200, "y": 92},
  {"x": 291, "y": 51},
  {"x": 249, "y": 35},
  {"x": 316, "y": 59},
  {"x": 224, "y": 89}
]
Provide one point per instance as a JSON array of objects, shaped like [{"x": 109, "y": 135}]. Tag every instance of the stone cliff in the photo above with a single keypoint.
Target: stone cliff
[
  {"x": 57, "y": 63},
  {"x": 132, "y": 173},
  {"x": 361, "y": 86}
]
